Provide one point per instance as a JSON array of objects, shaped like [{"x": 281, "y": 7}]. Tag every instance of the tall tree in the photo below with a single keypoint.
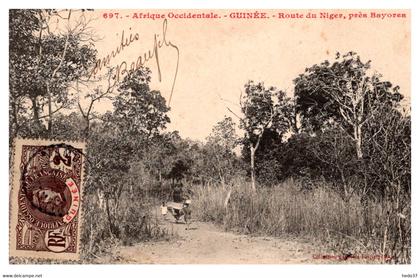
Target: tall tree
[
  {"x": 263, "y": 108},
  {"x": 119, "y": 141},
  {"x": 219, "y": 149},
  {"x": 52, "y": 58},
  {"x": 342, "y": 93},
  {"x": 22, "y": 46},
  {"x": 140, "y": 113}
]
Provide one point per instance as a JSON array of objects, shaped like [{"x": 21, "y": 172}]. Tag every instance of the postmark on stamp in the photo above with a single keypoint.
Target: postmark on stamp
[{"x": 46, "y": 199}]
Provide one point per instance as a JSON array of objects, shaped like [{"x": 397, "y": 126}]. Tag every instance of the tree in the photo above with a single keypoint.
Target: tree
[
  {"x": 140, "y": 113},
  {"x": 67, "y": 127},
  {"x": 297, "y": 158},
  {"x": 118, "y": 142},
  {"x": 219, "y": 150},
  {"x": 388, "y": 153},
  {"x": 269, "y": 168},
  {"x": 159, "y": 155},
  {"x": 344, "y": 94},
  {"x": 388, "y": 169},
  {"x": 94, "y": 96},
  {"x": 22, "y": 24},
  {"x": 224, "y": 134},
  {"x": 43, "y": 64},
  {"x": 263, "y": 108},
  {"x": 110, "y": 157},
  {"x": 335, "y": 154}
]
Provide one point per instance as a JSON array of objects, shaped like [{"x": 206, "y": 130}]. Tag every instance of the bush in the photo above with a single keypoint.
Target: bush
[{"x": 133, "y": 222}]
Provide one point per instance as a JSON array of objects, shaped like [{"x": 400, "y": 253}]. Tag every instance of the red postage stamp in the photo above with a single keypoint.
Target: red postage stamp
[{"x": 46, "y": 199}]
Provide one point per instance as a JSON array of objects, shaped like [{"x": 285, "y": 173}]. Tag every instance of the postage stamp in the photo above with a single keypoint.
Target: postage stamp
[{"x": 46, "y": 198}]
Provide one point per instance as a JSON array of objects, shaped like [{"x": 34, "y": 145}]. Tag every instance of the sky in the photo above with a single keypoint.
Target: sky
[{"x": 218, "y": 56}]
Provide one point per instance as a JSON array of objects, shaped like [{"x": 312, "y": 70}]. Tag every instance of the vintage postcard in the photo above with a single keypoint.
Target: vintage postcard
[
  {"x": 46, "y": 199},
  {"x": 211, "y": 136}
]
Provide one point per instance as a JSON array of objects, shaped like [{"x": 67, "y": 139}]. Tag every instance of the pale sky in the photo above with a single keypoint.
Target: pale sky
[{"x": 218, "y": 56}]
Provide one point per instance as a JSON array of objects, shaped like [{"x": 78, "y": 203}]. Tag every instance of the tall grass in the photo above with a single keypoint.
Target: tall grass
[
  {"x": 354, "y": 226},
  {"x": 134, "y": 220}
]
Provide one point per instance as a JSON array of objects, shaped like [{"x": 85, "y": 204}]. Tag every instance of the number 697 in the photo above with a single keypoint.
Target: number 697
[{"x": 110, "y": 15}]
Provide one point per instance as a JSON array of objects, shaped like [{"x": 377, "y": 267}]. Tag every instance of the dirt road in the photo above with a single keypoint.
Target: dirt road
[{"x": 205, "y": 243}]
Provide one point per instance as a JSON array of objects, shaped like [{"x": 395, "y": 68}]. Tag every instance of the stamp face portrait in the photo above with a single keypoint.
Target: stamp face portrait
[{"x": 46, "y": 199}]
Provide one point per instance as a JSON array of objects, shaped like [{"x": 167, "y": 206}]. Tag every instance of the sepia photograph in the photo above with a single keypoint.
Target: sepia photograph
[{"x": 209, "y": 137}]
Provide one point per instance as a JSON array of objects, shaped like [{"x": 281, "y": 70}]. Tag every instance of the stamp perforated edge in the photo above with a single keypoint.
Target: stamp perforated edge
[{"x": 14, "y": 185}]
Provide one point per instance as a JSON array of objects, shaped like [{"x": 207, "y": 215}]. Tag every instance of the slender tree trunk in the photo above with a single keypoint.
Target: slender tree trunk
[
  {"x": 343, "y": 180},
  {"x": 358, "y": 140},
  {"x": 108, "y": 213},
  {"x": 226, "y": 202},
  {"x": 101, "y": 198},
  {"x": 49, "y": 127},
  {"x": 63, "y": 56},
  {"x": 90, "y": 238},
  {"x": 221, "y": 177},
  {"x": 35, "y": 108},
  {"x": 87, "y": 127},
  {"x": 253, "y": 149},
  {"x": 111, "y": 225}
]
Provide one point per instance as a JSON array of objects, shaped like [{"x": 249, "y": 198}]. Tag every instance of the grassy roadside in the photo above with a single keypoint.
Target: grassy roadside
[{"x": 345, "y": 227}]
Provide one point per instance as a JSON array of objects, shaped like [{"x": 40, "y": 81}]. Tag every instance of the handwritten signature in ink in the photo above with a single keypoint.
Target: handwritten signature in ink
[{"x": 125, "y": 67}]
